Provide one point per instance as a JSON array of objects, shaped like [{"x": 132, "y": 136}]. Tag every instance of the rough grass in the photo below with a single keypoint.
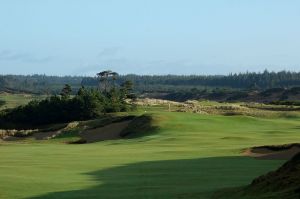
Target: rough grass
[{"x": 247, "y": 109}]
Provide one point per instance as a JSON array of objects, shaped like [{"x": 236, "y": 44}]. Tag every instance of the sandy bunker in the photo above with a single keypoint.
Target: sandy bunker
[
  {"x": 280, "y": 152},
  {"x": 108, "y": 132}
]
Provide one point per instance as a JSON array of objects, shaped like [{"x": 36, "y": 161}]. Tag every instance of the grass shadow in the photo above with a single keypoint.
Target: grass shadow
[
  {"x": 140, "y": 126},
  {"x": 187, "y": 178}
]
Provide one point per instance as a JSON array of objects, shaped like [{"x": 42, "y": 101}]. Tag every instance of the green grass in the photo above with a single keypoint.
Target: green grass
[
  {"x": 14, "y": 100},
  {"x": 190, "y": 156}
]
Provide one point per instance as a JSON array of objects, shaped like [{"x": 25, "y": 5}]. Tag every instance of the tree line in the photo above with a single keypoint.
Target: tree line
[
  {"x": 42, "y": 84},
  {"x": 261, "y": 81},
  {"x": 87, "y": 103}
]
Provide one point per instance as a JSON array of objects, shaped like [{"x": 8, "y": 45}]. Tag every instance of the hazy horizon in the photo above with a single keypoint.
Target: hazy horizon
[
  {"x": 148, "y": 37},
  {"x": 93, "y": 75}
]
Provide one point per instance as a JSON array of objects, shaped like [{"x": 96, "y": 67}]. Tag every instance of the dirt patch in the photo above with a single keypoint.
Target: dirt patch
[
  {"x": 108, "y": 132},
  {"x": 280, "y": 152}
]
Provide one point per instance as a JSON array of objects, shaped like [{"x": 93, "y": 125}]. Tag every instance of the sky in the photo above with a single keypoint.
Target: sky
[{"x": 83, "y": 37}]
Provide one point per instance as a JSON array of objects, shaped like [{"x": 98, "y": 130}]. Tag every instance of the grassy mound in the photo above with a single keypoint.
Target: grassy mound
[
  {"x": 282, "y": 183},
  {"x": 139, "y": 126}
]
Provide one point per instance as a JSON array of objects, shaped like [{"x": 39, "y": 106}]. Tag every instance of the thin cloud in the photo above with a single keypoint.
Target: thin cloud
[{"x": 7, "y": 55}]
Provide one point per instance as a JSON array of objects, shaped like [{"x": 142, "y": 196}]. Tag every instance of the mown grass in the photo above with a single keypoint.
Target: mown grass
[{"x": 189, "y": 156}]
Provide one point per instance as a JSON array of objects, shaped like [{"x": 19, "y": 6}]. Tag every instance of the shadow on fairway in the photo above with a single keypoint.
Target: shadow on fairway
[{"x": 188, "y": 178}]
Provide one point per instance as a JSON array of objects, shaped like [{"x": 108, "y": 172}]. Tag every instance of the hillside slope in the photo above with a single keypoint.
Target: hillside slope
[{"x": 279, "y": 184}]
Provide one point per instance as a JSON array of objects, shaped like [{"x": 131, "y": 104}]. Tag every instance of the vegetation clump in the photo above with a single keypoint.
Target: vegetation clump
[{"x": 16, "y": 133}]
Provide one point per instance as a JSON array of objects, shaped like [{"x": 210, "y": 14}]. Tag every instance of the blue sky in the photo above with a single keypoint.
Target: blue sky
[{"x": 82, "y": 37}]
